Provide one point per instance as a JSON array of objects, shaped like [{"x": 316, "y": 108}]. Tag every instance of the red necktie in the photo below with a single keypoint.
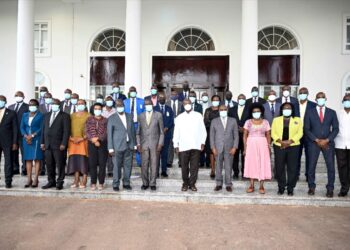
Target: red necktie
[{"x": 321, "y": 115}]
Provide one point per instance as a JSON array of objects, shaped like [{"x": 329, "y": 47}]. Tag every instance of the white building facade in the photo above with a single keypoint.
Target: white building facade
[{"x": 309, "y": 46}]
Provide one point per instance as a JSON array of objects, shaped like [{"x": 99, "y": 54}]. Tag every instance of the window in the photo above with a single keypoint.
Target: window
[
  {"x": 109, "y": 40},
  {"x": 276, "y": 38},
  {"x": 40, "y": 80},
  {"x": 346, "y": 34},
  {"x": 42, "y": 38},
  {"x": 191, "y": 39}
]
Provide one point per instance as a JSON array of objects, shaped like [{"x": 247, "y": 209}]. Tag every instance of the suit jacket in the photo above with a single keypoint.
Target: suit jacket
[
  {"x": 9, "y": 129},
  {"x": 182, "y": 96},
  {"x": 117, "y": 133},
  {"x": 23, "y": 109},
  {"x": 250, "y": 101},
  {"x": 309, "y": 105},
  {"x": 139, "y": 105},
  {"x": 179, "y": 107},
  {"x": 197, "y": 107},
  {"x": 295, "y": 130},
  {"x": 35, "y": 127},
  {"x": 118, "y": 96},
  {"x": 268, "y": 115},
  {"x": 223, "y": 140},
  {"x": 294, "y": 101},
  {"x": 59, "y": 132},
  {"x": 149, "y": 97},
  {"x": 168, "y": 119},
  {"x": 149, "y": 136},
  {"x": 66, "y": 108},
  {"x": 314, "y": 129},
  {"x": 43, "y": 109},
  {"x": 233, "y": 112}
]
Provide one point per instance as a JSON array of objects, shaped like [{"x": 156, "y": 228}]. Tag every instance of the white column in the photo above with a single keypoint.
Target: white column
[
  {"x": 249, "y": 46},
  {"x": 133, "y": 45},
  {"x": 25, "y": 48}
]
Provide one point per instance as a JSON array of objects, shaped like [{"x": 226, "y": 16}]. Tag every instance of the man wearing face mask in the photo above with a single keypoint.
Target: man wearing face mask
[
  {"x": 241, "y": 113},
  {"x": 321, "y": 126},
  {"x": 74, "y": 103},
  {"x": 228, "y": 100},
  {"x": 116, "y": 95},
  {"x": 286, "y": 91},
  {"x": 272, "y": 108},
  {"x": 66, "y": 103},
  {"x": 205, "y": 101},
  {"x": 189, "y": 140},
  {"x": 154, "y": 95},
  {"x": 255, "y": 97},
  {"x": 42, "y": 91},
  {"x": 168, "y": 122},
  {"x": 342, "y": 147},
  {"x": 100, "y": 100},
  {"x": 195, "y": 105},
  {"x": 46, "y": 107},
  {"x": 20, "y": 107},
  {"x": 9, "y": 138},
  {"x": 185, "y": 92},
  {"x": 304, "y": 106}
]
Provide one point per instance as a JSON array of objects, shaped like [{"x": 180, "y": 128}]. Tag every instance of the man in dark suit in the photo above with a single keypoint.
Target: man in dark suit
[
  {"x": 168, "y": 122},
  {"x": 286, "y": 90},
  {"x": 185, "y": 93},
  {"x": 321, "y": 127},
  {"x": 42, "y": 91},
  {"x": 304, "y": 106},
  {"x": 255, "y": 97},
  {"x": 9, "y": 138},
  {"x": 66, "y": 103},
  {"x": 272, "y": 108},
  {"x": 54, "y": 141},
  {"x": 116, "y": 95},
  {"x": 154, "y": 96},
  {"x": 195, "y": 105},
  {"x": 228, "y": 100},
  {"x": 241, "y": 113},
  {"x": 20, "y": 107},
  {"x": 46, "y": 107}
]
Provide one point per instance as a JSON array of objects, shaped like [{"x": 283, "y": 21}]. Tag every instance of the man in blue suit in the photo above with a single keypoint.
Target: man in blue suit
[
  {"x": 321, "y": 127},
  {"x": 272, "y": 108},
  {"x": 304, "y": 106},
  {"x": 185, "y": 93},
  {"x": 116, "y": 95},
  {"x": 134, "y": 106},
  {"x": 154, "y": 96},
  {"x": 286, "y": 90},
  {"x": 168, "y": 121}
]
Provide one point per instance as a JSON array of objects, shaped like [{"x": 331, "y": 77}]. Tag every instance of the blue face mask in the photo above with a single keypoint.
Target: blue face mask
[
  {"x": 302, "y": 97},
  {"x": 223, "y": 113},
  {"x": 109, "y": 103},
  {"x": 346, "y": 104},
  {"x": 215, "y": 103},
  {"x": 74, "y": 101},
  {"x": 205, "y": 99},
  {"x": 154, "y": 91},
  {"x": 116, "y": 90},
  {"x": 67, "y": 96},
  {"x": 287, "y": 112},
  {"x": 241, "y": 102},
  {"x": 256, "y": 115},
  {"x": 97, "y": 112},
  {"x": 2, "y": 104},
  {"x": 48, "y": 100},
  {"x": 33, "y": 109},
  {"x": 99, "y": 100},
  {"x": 42, "y": 93},
  {"x": 255, "y": 93},
  {"x": 133, "y": 94},
  {"x": 120, "y": 109},
  {"x": 81, "y": 107},
  {"x": 148, "y": 108},
  {"x": 55, "y": 107},
  {"x": 321, "y": 102}
]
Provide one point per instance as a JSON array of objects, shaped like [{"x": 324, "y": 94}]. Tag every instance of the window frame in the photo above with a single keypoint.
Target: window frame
[
  {"x": 48, "y": 23},
  {"x": 345, "y": 43}
]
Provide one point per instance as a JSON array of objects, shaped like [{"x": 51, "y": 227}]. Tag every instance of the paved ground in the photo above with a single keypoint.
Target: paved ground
[{"x": 49, "y": 223}]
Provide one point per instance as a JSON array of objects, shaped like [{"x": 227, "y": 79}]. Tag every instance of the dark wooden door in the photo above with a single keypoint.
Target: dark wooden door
[{"x": 107, "y": 70}]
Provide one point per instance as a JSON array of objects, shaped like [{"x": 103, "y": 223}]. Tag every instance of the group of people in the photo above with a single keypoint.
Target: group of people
[{"x": 68, "y": 137}]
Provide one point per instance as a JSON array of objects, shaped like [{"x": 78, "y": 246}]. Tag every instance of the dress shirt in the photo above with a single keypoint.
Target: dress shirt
[
  {"x": 123, "y": 118},
  {"x": 240, "y": 111},
  {"x": 302, "y": 107},
  {"x": 224, "y": 121},
  {"x": 154, "y": 100},
  {"x": 2, "y": 112},
  {"x": 323, "y": 110},
  {"x": 189, "y": 132},
  {"x": 135, "y": 107},
  {"x": 176, "y": 102},
  {"x": 18, "y": 106},
  {"x": 205, "y": 105},
  {"x": 284, "y": 99},
  {"x": 342, "y": 141}
]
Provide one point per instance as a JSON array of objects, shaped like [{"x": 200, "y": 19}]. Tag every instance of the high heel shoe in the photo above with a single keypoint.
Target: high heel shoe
[
  {"x": 28, "y": 185},
  {"x": 35, "y": 184}
]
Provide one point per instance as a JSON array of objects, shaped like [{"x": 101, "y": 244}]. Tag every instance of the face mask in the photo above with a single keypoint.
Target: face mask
[
  {"x": 55, "y": 107},
  {"x": 120, "y": 109},
  {"x": 256, "y": 115},
  {"x": 33, "y": 109},
  {"x": 154, "y": 91},
  {"x": 205, "y": 98},
  {"x": 67, "y": 96},
  {"x": 215, "y": 103},
  {"x": 97, "y": 112},
  {"x": 74, "y": 101},
  {"x": 116, "y": 90},
  {"x": 81, "y": 107},
  {"x": 193, "y": 99},
  {"x": 133, "y": 94},
  {"x": 42, "y": 93},
  {"x": 287, "y": 112},
  {"x": 272, "y": 98},
  {"x": 148, "y": 108},
  {"x": 48, "y": 100},
  {"x": 223, "y": 113},
  {"x": 19, "y": 98},
  {"x": 188, "y": 107},
  {"x": 241, "y": 102},
  {"x": 109, "y": 103},
  {"x": 99, "y": 100},
  {"x": 321, "y": 101},
  {"x": 255, "y": 93},
  {"x": 174, "y": 98},
  {"x": 346, "y": 104},
  {"x": 286, "y": 93},
  {"x": 302, "y": 97},
  {"x": 2, "y": 104}
]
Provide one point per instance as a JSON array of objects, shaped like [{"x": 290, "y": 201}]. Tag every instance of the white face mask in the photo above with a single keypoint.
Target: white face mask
[
  {"x": 193, "y": 99},
  {"x": 188, "y": 107},
  {"x": 286, "y": 93},
  {"x": 272, "y": 98},
  {"x": 19, "y": 99}
]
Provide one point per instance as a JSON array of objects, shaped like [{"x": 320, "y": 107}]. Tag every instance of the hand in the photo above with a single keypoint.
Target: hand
[
  {"x": 159, "y": 148},
  {"x": 42, "y": 146},
  {"x": 165, "y": 130},
  {"x": 139, "y": 148},
  {"x": 177, "y": 150},
  {"x": 28, "y": 137},
  {"x": 324, "y": 143},
  {"x": 241, "y": 130},
  {"x": 94, "y": 140},
  {"x": 62, "y": 147},
  {"x": 215, "y": 152},
  {"x": 202, "y": 147},
  {"x": 14, "y": 147},
  {"x": 233, "y": 151},
  {"x": 97, "y": 144},
  {"x": 29, "y": 141}
]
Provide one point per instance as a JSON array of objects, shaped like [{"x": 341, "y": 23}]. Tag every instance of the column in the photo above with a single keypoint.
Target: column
[
  {"x": 249, "y": 46},
  {"x": 25, "y": 48},
  {"x": 133, "y": 45}
]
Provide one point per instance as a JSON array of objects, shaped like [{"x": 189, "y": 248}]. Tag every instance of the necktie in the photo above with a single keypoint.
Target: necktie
[
  {"x": 47, "y": 107},
  {"x": 162, "y": 109},
  {"x": 185, "y": 95},
  {"x": 132, "y": 108},
  {"x": 174, "y": 108},
  {"x": 254, "y": 99},
  {"x": 17, "y": 107},
  {"x": 272, "y": 110},
  {"x": 286, "y": 99},
  {"x": 321, "y": 114},
  {"x": 53, "y": 116},
  {"x": 74, "y": 109}
]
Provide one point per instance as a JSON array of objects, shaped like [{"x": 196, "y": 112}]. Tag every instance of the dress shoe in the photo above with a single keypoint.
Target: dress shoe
[
  {"x": 311, "y": 191},
  {"x": 8, "y": 185},
  {"x": 127, "y": 187},
  {"x": 42, "y": 173},
  {"x": 235, "y": 177},
  {"x": 193, "y": 188},
  {"x": 184, "y": 188},
  {"x": 342, "y": 194},
  {"x": 153, "y": 188},
  {"x": 28, "y": 185},
  {"x": 15, "y": 172},
  {"x": 165, "y": 175},
  {"x": 217, "y": 188},
  {"x": 110, "y": 175},
  {"x": 143, "y": 187},
  {"x": 329, "y": 194},
  {"x": 290, "y": 193},
  {"x": 116, "y": 189},
  {"x": 158, "y": 175},
  {"x": 169, "y": 165},
  {"x": 35, "y": 184},
  {"x": 49, "y": 185},
  {"x": 229, "y": 189},
  {"x": 280, "y": 191},
  {"x": 59, "y": 187},
  {"x": 212, "y": 175}
]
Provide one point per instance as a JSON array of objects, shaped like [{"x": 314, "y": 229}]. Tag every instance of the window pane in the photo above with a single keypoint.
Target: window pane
[
  {"x": 348, "y": 20},
  {"x": 44, "y": 26},
  {"x": 36, "y": 39},
  {"x": 348, "y": 34},
  {"x": 347, "y": 47},
  {"x": 43, "y": 42}
]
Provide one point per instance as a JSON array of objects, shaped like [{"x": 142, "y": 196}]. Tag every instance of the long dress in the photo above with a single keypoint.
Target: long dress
[
  {"x": 78, "y": 153},
  {"x": 257, "y": 158}
]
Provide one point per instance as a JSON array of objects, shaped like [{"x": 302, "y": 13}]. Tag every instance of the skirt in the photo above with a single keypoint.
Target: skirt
[{"x": 78, "y": 157}]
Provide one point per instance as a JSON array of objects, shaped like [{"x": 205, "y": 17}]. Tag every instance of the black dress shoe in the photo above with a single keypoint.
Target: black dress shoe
[
  {"x": 342, "y": 194},
  {"x": 8, "y": 185},
  {"x": 143, "y": 187},
  {"x": 184, "y": 188},
  {"x": 49, "y": 185},
  {"x": 110, "y": 175},
  {"x": 28, "y": 185},
  {"x": 329, "y": 194},
  {"x": 229, "y": 189},
  {"x": 217, "y": 188},
  {"x": 169, "y": 165},
  {"x": 59, "y": 187},
  {"x": 193, "y": 188},
  {"x": 212, "y": 176},
  {"x": 235, "y": 177},
  {"x": 311, "y": 191},
  {"x": 280, "y": 191},
  {"x": 290, "y": 193},
  {"x": 127, "y": 187},
  {"x": 15, "y": 172},
  {"x": 165, "y": 175},
  {"x": 153, "y": 188},
  {"x": 116, "y": 189}
]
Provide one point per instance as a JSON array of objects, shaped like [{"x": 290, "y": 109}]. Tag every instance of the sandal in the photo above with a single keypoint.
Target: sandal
[
  {"x": 100, "y": 187},
  {"x": 262, "y": 190},
  {"x": 82, "y": 186},
  {"x": 93, "y": 187},
  {"x": 74, "y": 185},
  {"x": 250, "y": 189}
]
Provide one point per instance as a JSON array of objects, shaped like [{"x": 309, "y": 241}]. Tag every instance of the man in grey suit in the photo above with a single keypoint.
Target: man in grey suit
[
  {"x": 150, "y": 139},
  {"x": 224, "y": 140},
  {"x": 272, "y": 108},
  {"x": 121, "y": 143}
]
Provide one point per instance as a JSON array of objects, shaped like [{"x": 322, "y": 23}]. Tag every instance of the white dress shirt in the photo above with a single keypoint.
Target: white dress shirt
[
  {"x": 229, "y": 103},
  {"x": 284, "y": 99},
  {"x": 342, "y": 141},
  {"x": 189, "y": 132},
  {"x": 302, "y": 107},
  {"x": 123, "y": 118},
  {"x": 176, "y": 106},
  {"x": 205, "y": 105},
  {"x": 135, "y": 108},
  {"x": 323, "y": 110}
]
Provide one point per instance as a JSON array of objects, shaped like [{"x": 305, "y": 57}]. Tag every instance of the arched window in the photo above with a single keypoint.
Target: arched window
[
  {"x": 109, "y": 40},
  {"x": 276, "y": 38},
  {"x": 191, "y": 39}
]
